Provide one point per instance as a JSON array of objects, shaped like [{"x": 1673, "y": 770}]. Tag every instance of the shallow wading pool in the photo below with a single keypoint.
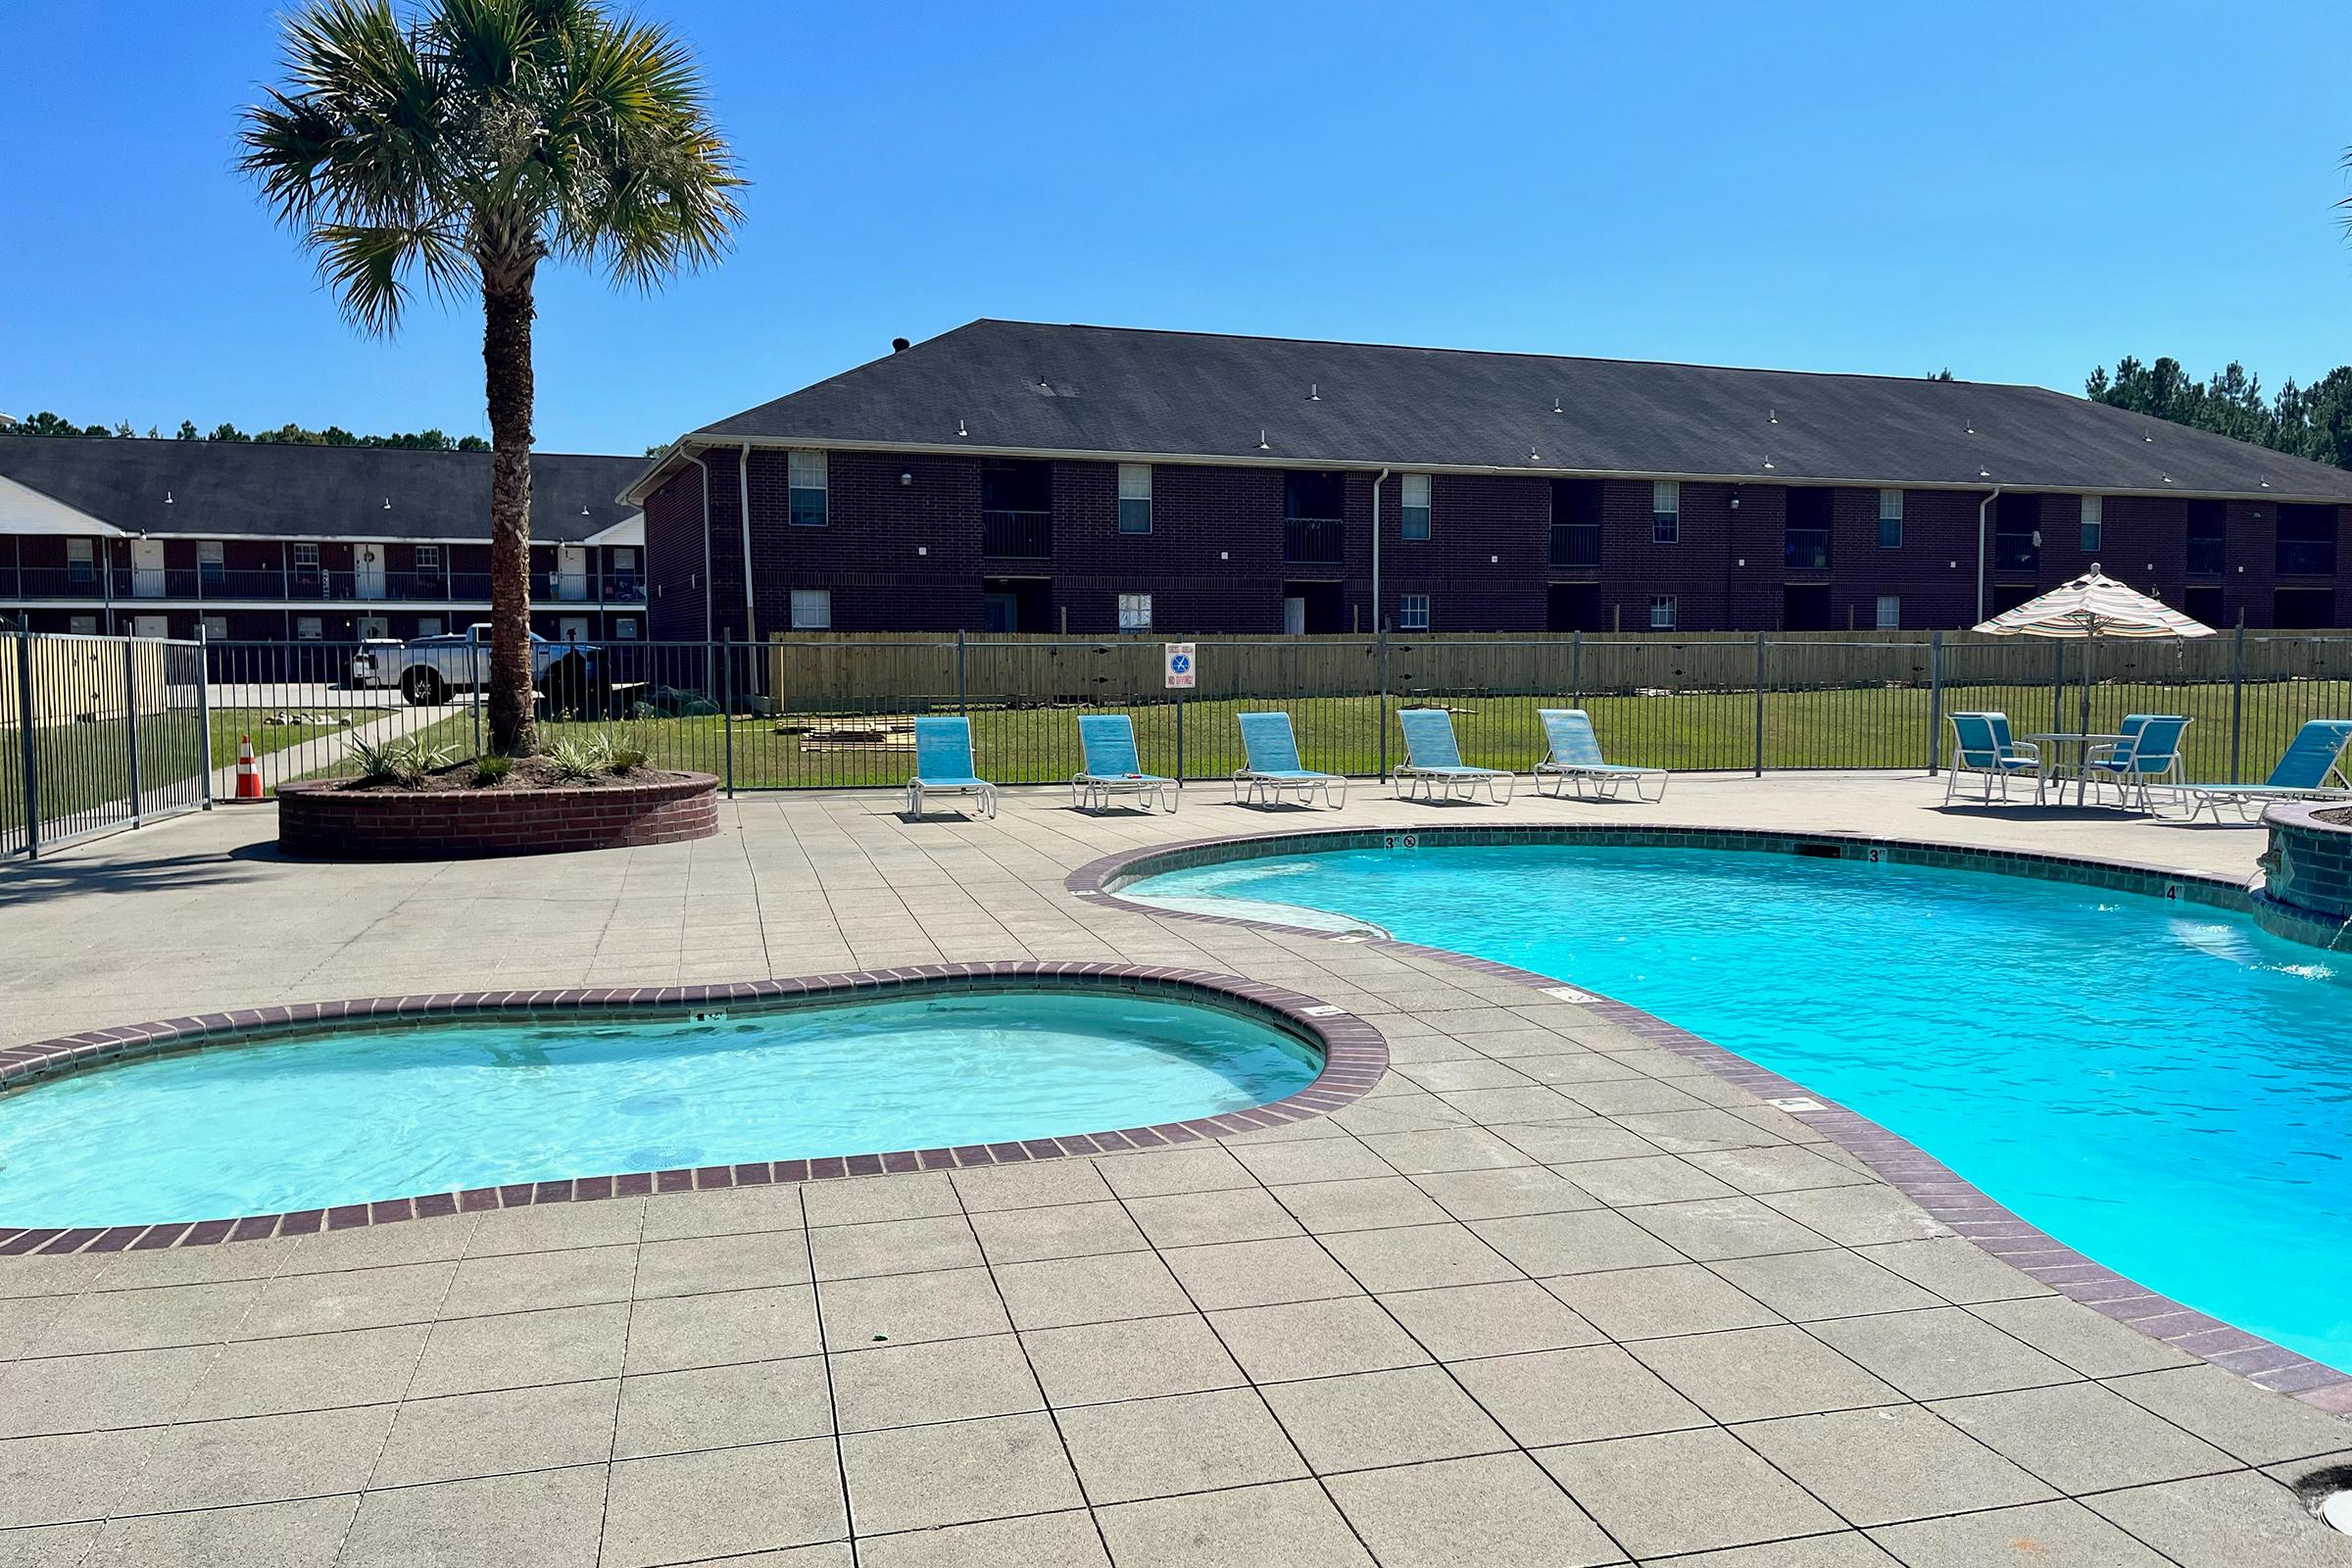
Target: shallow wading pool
[
  {"x": 330, "y": 1119},
  {"x": 2165, "y": 1088}
]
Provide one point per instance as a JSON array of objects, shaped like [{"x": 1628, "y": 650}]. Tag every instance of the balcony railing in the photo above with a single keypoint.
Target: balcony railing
[
  {"x": 2205, "y": 557},
  {"x": 130, "y": 585},
  {"x": 2306, "y": 558},
  {"x": 1576, "y": 545},
  {"x": 1315, "y": 541},
  {"x": 1807, "y": 549},
  {"x": 2015, "y": 551},
  {"x": 1018, "y": 535}
]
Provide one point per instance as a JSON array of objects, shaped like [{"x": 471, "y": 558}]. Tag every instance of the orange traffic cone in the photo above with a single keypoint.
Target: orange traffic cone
[{"x": 249, "y": 771}]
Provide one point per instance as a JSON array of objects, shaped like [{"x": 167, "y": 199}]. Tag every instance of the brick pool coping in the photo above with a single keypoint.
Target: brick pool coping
[
  {"x": 1355, "y": 1059},
  {"x": 1945, "y": 1196}
]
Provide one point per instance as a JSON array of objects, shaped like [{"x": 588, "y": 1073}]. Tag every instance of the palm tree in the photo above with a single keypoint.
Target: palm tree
[{"x": 462, "y": 146}]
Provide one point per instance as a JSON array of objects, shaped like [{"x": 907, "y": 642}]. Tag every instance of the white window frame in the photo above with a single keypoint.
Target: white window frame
[
  {"x": 1135, "y": 498},
  {"x": 1890, "y": 510},
  {"x": 625, "y": 558},
  {"x": 306, "y": 555},
  {"x": 1412, "y": 513},
  {"x": 1666, "y": 512},
  {"x": 429, "y": 559},
  {"x": 1665, "y": 609},
  {"x": 428, "y": 625},
  {"x": 216, "y": 627},
  {"x": 81, "y": 625},
  {"x": 211, "y": 561},
  {"x": 1412, "y": 612},
  {"x": 625, "y": 628},
  {"x": 1135, "y": 611},
  {"x": 309, "y": 630},
  {"x": 2094, "y": 524},
  {"x": 1890, "y": 612},
  {"x": 82, "y": 565},
  {"x": 806, "y": 474},
  {"x": 812, "y": 610}
]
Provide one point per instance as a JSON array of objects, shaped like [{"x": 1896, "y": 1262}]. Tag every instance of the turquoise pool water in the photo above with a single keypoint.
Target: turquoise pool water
[
  {"x": 2167, "y": 1088},
  {"x": 260, "y": 1129}
]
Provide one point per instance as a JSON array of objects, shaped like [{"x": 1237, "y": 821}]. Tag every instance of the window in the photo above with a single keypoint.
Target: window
[
  {"x": 625, "y": 558},
  {"x": 1414, "y": 520},
  {"x": 2094, "y": 516},
  {"x": 79, "y": 566},
  {"x": 429, "y": 559},
  {"x": 1135, "y": 498},
  {"x": 1412, "y": 612},
  {"x": 428, "y": 625},
  {"x": 1666, "y": 512},
  {"x": 625, "y": 628},
  {"x": 1891, "y": 519},
  {"x": 308, "y": 628},
  {"x": 374, "y": 628},
  {"x": 807, "y": 480},
  {"x": 83, "y": 625},
  {"x": 811, "y": 608},
  {"x": 1891, "y": 613},
  {"x": 210, "y": 562},
  {"x": 216, "y": 628},
  {"x": 1661, "y": 612},
  {"x": 306, "y": 558},
  {"x": 1135, "y": 611}
]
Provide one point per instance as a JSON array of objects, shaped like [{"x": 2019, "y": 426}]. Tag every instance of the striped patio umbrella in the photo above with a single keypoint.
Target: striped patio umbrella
[{"x": 2091, "y": 607}]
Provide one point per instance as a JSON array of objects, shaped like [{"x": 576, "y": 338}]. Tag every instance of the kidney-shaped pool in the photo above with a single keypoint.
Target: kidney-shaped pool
[
  {"x": 333, "y": 1119},
  {"x": 2166, "y": 1088}
]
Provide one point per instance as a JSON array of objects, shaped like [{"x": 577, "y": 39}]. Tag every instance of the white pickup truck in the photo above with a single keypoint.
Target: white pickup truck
[{"x": 426, "y": 669}]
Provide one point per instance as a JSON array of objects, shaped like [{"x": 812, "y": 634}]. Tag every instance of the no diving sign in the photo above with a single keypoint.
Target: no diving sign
[{"x": 1179, "y": 666}]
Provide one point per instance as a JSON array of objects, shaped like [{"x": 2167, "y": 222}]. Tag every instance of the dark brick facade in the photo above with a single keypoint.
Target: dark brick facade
[{"x": 902, "y": 551}]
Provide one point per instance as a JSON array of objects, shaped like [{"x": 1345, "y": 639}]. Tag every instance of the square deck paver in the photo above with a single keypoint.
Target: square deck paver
[
  {"x": 2039, "y": 1532},
  {"x": 1294, "y": 1525},
  {"x": 2253, "y": 1424},
  {"x": 1180, "y": 1443},
  {"x": 1942, "y": 1352},
  {"x": 722, "y": 1407},
  {"x": 1374, "y": 1419},
  {"x": 546, "y": 1519},
  {"x": 1232, "y": 1274},
  {"x": 908, "y": 1309},
  {"x": 727, "y": 1502},
  {"x": 1719, "y": 1494},
  {"x": 1495, "y": 1510},
  {"x": 462, "y": 1435},
  {"x": 2081, "y": 1438},
  {"x": 306, "y": 1532},
  {"x": 1753, "y": 1374},
  {"x": 946, "y": 1379},
  {"x": 1645, "y": 1303},
  {"x": 1457, "y": 1322},
  {"x": 1881, "y": 1466},
  {"x": 1135, "y": 1358},
  {"x": 1315, "y": 1339},
  {"x": 1576, "y": 1396},
  {"x": 915, "y": 1478},
  {"x": 2234, "y": 1521},
  {"x": 1060, "y": 1230},
  {"x": 1040, "y": 1540}
]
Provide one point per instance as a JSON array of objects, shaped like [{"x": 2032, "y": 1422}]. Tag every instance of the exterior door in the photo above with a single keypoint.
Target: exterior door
[
  {"x": 147, "y": 569},
  {"x": 1294, "y": 618},
  {"x": 571, "y": 572},
  {"x": 150, "y": 626},
  {"x": 368, "y": 573},
  {"x": 1001, "y": 613}
]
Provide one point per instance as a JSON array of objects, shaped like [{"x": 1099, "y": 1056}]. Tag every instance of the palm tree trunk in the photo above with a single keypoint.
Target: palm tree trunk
[{"x": 506, "y": 310}]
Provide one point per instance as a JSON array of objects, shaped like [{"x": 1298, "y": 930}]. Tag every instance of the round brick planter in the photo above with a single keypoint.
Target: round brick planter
[
  {"x": 2310, "y": 862},
  {"x": 331, "y": 823}
]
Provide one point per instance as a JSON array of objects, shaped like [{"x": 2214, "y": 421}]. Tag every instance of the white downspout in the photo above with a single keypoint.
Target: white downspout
[
  {"x": 1982, "y": 506},
  {"x": 1376, "y": 600}
]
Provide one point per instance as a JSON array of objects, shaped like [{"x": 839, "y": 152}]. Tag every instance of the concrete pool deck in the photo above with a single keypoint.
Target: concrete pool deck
[{"x": 1548, "y": 1294}]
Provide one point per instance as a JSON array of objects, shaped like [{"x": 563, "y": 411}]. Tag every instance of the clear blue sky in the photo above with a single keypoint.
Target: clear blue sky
[{"x": 2019, "y": 191}]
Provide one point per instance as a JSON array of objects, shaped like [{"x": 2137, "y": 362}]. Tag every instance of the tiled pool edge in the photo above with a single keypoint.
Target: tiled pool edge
[
  {"x": 1354, "y": 1057},
  {"x": 1935, "y": 1187}
]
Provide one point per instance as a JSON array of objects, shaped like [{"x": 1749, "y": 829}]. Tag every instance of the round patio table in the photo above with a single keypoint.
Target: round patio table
[{"x": 2081, "y": 745}]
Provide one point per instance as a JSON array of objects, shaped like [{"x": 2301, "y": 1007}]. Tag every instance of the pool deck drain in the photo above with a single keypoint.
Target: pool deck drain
[{"x": 1468, "y": 1313}]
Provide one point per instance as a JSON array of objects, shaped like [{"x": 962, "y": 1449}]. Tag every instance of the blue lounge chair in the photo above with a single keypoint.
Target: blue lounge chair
[
  {"x": 1981, "y": 745},
  {"x": 2313, "y": 769},
  {"x": 1110, "y": 766},
  {"x": 2149, "y": 753},
  {"x": 1270, "y": 766},
  {"x": 1576, "y": 761},
  {"x": 1433, "y": 763},
  {"x": 943, "y": 765}
]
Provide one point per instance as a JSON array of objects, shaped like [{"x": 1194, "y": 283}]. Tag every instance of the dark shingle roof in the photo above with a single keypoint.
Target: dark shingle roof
[
  {"x": 222, "y": 489},
  {"x": 1018, "y": 386}
]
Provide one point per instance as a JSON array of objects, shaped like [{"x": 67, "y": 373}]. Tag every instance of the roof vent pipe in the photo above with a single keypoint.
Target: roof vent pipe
[{"x": 898, "y": 345}]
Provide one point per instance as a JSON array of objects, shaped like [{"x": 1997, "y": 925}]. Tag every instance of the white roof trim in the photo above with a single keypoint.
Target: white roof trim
[
  {"x": 629, "y": 530},
  {"x": 24, "y": 510}
]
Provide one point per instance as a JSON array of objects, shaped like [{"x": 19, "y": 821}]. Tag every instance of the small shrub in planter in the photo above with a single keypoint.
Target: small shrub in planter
[{"x": 489, "y": 770}]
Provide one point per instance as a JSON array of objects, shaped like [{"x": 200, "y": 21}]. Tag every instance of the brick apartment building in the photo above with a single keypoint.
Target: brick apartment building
[
  {"x": 259, "y": 542},
  {"x": 1017, "y": 476}
]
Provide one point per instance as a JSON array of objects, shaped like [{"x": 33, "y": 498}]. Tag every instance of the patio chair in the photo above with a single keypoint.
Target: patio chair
[
  {"x": 2148, "y": 754},
  {"x": 1576, "y": 761},
  {"x": 943, "y": 765},
  {"x": 1981, "y": 745},
  {"x": 2313, "y": 769},
  {"x": 1433, "y": 763},
  {"x": 1109, "y": 768},
  {"x": 1270, "y": 766}
]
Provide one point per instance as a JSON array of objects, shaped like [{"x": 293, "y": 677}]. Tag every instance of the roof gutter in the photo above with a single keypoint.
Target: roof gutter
[{"x": 1982, "y": 506}]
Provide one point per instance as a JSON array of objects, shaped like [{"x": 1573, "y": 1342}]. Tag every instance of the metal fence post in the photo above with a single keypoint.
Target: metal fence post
[
  {"x": 1935, "y": 702},
  {"x": 204, "y": 707},
  {"x": 29, "y": 745},
  {"x": 1576, "y": 665},
  {"x": 963, "y": 708},
  {"x": 473, "y": 667},
  {"x": 2237, "y": 700},
  {"x": 726, "y": 705},
  {"x": 1759, "y": 705},
  {"x": 130, "y": 726}
]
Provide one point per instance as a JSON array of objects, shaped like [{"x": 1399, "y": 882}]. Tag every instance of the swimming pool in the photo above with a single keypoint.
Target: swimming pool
[
  {"x": 361, "y": 1116},
  {"x": 2167, "y": 1088}
]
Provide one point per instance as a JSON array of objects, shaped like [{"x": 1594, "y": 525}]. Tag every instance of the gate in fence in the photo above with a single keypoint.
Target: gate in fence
[{"x": 99, "y": 732}]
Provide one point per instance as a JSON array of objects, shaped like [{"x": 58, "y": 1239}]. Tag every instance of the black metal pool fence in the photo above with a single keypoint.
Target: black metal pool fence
[{"x": 103, "y": 732}]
